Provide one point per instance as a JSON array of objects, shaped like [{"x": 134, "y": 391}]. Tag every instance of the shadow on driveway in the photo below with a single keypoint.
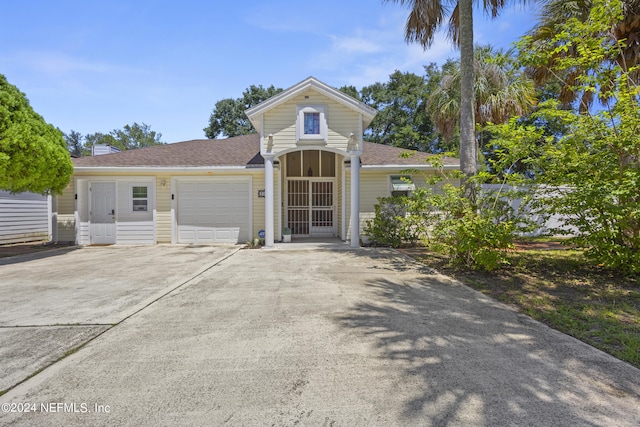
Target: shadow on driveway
[{"x": 480, "y": 363}]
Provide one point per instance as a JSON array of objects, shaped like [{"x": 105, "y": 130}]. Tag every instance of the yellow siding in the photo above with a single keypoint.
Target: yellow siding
[
  {"x": 163, "y": 208},
  {"x": 338, "y": 195},
  {"x": 163, "y": 202},
  {"x": 281, "y": 122},
  {"x": 66, "y": 214},
  {"x": 373, "y": 184}
]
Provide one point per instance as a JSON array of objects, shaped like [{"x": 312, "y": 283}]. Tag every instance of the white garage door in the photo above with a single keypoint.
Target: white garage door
[{"x": 216, "y": 211}]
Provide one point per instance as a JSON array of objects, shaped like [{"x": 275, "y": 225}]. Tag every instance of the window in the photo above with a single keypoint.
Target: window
[
  {"x": 139, "y": 199},
  {"x": 401, "y": 185},
  {"x": 311, "y": 123},
  {"x": 311, "y": 163}
]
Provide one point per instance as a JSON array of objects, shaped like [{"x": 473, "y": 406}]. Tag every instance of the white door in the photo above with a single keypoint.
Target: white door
[
  {"x": 103, "y": 213},
  {"x": 214, "y": 211}
]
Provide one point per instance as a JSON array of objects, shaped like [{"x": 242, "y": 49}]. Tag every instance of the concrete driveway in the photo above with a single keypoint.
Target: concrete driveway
[
  {"x": 52, "y": 302},
  {"x": 313, "y": 337}
]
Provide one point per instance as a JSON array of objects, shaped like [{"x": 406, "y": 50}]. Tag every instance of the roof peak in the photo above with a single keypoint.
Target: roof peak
[{"x": 254, "y": 113}]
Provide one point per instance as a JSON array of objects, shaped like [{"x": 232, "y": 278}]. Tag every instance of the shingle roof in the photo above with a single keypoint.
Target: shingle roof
[
  {"x": 237, "y": 151},
  {"x": 380, "y": 155}
]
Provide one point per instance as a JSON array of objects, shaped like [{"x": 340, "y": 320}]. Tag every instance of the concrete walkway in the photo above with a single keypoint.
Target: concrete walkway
[{"x": 316, "y": 337}]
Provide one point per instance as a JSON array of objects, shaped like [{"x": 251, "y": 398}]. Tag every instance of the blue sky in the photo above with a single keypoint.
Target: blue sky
[{"x": 97, "y": 66}]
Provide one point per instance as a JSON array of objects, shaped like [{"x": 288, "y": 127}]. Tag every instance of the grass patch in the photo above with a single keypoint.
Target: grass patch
[{"x": 563, "y": 290}]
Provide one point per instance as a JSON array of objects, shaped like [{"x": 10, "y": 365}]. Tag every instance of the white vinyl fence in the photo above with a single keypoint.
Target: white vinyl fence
[
  {"x": 25, "y": 217},
  {"x": 545, "y": 221}
]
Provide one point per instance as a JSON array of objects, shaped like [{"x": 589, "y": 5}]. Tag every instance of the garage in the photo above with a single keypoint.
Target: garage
[{"x": 214, "y": 211}]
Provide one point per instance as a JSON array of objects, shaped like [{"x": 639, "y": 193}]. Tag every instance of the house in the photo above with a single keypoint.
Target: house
[{"x": 297, "y": 171}]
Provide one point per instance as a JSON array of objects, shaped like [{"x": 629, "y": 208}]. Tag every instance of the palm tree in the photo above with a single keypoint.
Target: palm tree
[
  {"x": 500, "y": 92},
  {"x": 556, "y": 12},
  {"x": 425, "y": 18}
]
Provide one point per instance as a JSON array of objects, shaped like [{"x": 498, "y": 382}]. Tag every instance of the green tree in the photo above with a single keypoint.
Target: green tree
[
  {"x": 352, "y": 91},
  {"x": 136, "y": 136},
  {"x": 592, "y": 171},
  {"x": 128, "y": 138},
  {"x": 500, "y": 91},
  {"x": 33, "y": 154},
  {"x": 402, "y": 119},
  {"x": 228, "y": 117},
  {"x": 75, "y": 143},
  {"x": 553, "y": 17},
  {"x": 425, "y": 18}
]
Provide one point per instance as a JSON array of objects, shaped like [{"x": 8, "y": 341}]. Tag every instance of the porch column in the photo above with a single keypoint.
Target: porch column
[
  {"x": 268, "y": 200},
  {"x": 355, "y": 199}
]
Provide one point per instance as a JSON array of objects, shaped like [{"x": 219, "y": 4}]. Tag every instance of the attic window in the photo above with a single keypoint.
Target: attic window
[{"x": 311, "y": 123}]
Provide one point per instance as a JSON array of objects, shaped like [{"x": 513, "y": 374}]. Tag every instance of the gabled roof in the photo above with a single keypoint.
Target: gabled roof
[
  {"x": 237, "y": 152},
  {"x": 255, "y": 112}
]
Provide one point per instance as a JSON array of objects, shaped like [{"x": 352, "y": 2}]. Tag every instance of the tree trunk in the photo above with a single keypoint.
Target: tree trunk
[{"x": 468, "y": 142}]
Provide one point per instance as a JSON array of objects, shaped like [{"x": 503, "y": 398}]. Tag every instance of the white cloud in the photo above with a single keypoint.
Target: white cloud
[{"x": 364, "y": 56}]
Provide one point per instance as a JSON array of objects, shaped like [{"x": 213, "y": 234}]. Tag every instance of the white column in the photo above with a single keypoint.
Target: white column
[
  {"x": 355, "y": 199},
  {"x": 268, "y": 201}
]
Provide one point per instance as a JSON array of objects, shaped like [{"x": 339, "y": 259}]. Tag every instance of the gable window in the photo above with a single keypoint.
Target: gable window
[
  {"x": 139, "y": 198},
  {"x": 311, "y": 123},
  {"x": 402, "y": 185}
]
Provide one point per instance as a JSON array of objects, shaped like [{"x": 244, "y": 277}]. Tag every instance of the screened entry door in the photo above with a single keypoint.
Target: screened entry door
[{"x": 310, "y": 210}]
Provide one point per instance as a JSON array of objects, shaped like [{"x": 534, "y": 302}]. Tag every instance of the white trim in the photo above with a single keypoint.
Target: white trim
[
  {"x": 76, "y": 214},
  {"x": 344, "y": 201},
  {"x": 404, "y": 186},
  {"x": 355, "y": 200},
  {"x": 174, "y": 218},
  {"x": 360, "y": 135},
  {"x": 311, "y": 82},
  {"x": 131, "y": 198},
  {"x": 268, "y": 201},
  {"x": 279, "y": 229},
  {"x": 303, "y": 138},
  {"x": 189, "y": 179},
  {"x": 161, "y": 169},
  {"x": 403, "y": 167}
]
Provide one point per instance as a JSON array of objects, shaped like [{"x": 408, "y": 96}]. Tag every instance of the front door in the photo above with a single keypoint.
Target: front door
[
  {"x": 310, "y": 207},
  {"x": 103, "y": 213}
]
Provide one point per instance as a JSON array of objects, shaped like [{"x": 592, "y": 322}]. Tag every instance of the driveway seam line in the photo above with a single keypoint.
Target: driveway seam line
[{"x": 74, "y": 350}]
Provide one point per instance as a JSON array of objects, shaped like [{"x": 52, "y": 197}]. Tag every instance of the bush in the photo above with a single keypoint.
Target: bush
[
  {"x": 402, "y": 220},
  {"x": 473, "y": 236}
]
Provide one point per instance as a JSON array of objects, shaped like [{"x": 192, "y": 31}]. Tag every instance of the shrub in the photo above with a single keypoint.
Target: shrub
[
  {"x": 402, "y": 220},
  {"x": 475, "y": 237}
]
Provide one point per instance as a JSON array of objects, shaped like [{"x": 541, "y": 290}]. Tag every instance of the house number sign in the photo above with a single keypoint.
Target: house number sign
[{"x": 260, "y": 193}]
